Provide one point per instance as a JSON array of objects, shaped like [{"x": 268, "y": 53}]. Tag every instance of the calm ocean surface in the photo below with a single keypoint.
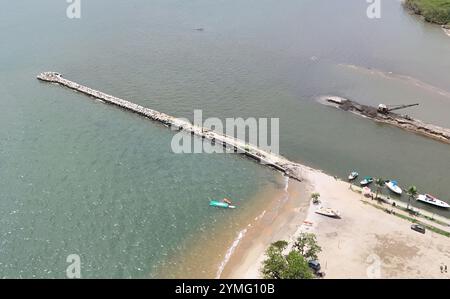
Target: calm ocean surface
[{"x": 81, "y": 177}]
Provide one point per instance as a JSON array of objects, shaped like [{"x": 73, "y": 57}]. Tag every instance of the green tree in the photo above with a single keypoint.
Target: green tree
[
  {"x": 315, "y": 197},
  {"x": 412, "y": 194},
  {"x": 280, "y": 245},
  {"x": 275, "y": 265},
  {"x": 279, "y": 266},
  {"x": 297, "y": 267},
  {"x": 307, "y": 246},
  {"x": 380, "y": 185}
]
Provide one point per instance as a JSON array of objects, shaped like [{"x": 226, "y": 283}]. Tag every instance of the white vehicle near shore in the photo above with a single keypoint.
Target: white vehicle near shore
[{"x": 430, "y": 199}]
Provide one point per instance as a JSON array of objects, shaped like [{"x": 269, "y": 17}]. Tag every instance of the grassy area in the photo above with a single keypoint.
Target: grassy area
[
  {"x": 388, "y": 207},
  {"x": 435, "y": 11},
  {"x": 382, "y": 199},
  {"x": 413, "y": 220}
]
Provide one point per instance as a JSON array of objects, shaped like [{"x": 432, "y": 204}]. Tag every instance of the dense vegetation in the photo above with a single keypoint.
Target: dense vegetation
[
  {"x": 435, "y": 11},
  {"x": 294, "y": 265}
]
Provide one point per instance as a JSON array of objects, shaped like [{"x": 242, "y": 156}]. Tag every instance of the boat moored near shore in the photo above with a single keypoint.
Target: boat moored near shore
[
  {"x": 393, "y": 186},
  {"x": 353, "y": 175},
  {"x": 429, "y": 199},
  {"x": 366, "y": 181}
]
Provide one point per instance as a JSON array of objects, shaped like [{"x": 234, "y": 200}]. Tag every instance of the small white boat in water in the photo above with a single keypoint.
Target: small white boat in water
[
  {"x": 353, "y": 176},
  {"x": 366, "y": 181},
  {"x": 393, "y": 186},
  {"x": 427, "y": 198},
  {"x": 328, "y": 212}
]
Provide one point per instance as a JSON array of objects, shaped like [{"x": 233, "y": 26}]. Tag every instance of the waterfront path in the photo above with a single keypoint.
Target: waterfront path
[{"x": 401, "y": 207}]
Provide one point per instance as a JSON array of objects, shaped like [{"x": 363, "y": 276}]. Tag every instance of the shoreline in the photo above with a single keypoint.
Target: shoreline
[
  {"x": 419, "y": 9},
  {"x": 414, "y": 10},
  {"x": 446, "y": 29},
  {"x": 366, "y": 243},
  {"x": 285, "y": 218},
  {"x": 220, "y": 247},
  {"x": 274, "y": 225}
]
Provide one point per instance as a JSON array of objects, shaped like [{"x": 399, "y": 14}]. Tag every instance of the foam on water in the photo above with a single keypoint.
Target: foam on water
[{"x": 230, "y": 252}]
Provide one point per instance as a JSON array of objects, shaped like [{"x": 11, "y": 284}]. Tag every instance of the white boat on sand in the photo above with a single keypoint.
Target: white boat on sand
[
  {"x": 328, "y": 212},
  {"x": 393, "y": 186},
  {"x": 430, "y": 199}
]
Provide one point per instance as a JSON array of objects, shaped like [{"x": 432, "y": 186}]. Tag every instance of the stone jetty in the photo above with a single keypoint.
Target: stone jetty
[
  {"x": 288, "y": 168},
  {"x": 402, "y": 121}
]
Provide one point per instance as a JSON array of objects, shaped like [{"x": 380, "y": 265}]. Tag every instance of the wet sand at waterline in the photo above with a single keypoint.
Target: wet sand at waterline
[
  {"x": 276, "y": 224},
  {"x": 447, "y": 31},
  {"x": 211, "y": 252},
  {"x": 354, "y": 246}
]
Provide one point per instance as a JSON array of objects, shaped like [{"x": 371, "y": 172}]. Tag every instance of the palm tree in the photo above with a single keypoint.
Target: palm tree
[
  {"x": 380, "y": 184},
  {"x": 412, "y": 194}
]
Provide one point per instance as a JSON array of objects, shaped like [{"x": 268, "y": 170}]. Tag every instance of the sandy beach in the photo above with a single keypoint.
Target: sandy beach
[
  {"x": 365, "y": 243},
  {"x": 282, "y": 218}
]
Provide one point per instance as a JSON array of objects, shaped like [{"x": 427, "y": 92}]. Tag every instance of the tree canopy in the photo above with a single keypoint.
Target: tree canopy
[
  {"x": 307, "y": 246},
  {"x": 293, "y": 265}
]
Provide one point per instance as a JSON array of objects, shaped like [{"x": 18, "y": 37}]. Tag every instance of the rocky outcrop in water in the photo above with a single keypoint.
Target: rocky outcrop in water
[{"x": 401, "y": 121}]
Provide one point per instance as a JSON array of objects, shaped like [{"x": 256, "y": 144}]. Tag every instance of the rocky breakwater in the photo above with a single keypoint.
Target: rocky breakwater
[{"x": 289, "y": 168}]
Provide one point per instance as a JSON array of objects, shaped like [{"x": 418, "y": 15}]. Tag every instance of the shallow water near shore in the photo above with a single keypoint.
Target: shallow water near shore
[
  {"x": 81, "y": 177},
  {"x": 213, "y": 251}
]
